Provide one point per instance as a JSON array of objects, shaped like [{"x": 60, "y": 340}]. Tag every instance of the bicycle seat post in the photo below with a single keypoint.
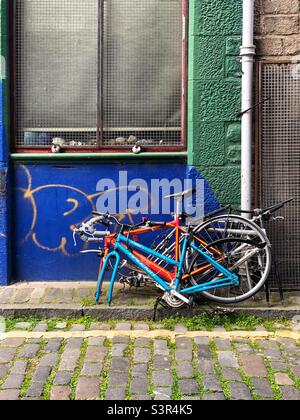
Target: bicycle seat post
[
  {"x": 179, "y": 202},
  {"x": 179, "y": 198}
]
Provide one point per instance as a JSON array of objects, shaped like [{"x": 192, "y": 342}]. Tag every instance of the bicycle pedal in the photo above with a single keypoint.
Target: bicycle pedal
[{"x": 164, "y": 304}]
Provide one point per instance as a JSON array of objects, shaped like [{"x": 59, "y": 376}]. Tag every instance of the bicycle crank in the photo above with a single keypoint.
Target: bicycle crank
[{"x": 175, "y": 300}]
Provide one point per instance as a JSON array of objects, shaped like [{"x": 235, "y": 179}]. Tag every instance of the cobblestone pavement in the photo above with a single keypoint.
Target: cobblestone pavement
[
  {"x": 145, "y": 367},
  {"x": 71, "y": 294}
]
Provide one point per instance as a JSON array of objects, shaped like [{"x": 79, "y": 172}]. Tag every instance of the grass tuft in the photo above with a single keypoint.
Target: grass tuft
[
  {"x": 224, "y": 383},
  {"x": 106, "y": 369},
  {"x": 79, "y": 365}
]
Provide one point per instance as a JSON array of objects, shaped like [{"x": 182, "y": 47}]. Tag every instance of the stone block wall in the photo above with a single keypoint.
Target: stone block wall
[
  {"x": 277, "y": 28},
  {"x": 215, "y": 94},
  {"x": 215, "y": 76}
]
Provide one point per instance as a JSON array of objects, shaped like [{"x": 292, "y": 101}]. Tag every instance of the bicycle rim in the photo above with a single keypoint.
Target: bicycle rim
[{"x": 253, "y": 271}]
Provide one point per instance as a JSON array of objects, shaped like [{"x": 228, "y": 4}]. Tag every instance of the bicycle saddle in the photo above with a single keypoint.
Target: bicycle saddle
[{"x": 181, "y": 195}]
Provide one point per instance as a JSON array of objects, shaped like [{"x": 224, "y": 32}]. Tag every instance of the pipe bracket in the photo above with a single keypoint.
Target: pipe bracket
[{"x": 248, "y": 51}]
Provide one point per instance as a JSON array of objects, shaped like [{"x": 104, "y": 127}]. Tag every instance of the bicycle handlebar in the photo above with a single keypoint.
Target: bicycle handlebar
[
  {"x": 277, "y": 207},
  {"x": 216, "y": 212},
  {"x": 111, "y": 217},
  {"x": 266, "y": 211},
  {"x": 156, "y": 224}
]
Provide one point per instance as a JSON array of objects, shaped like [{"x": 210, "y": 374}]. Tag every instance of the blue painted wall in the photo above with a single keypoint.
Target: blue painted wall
[
  {"x": 4, "y": 199},
  {"x": 49, "y": 199}
]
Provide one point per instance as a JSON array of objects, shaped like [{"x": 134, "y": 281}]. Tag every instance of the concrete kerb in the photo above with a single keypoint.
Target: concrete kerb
[
  {"x": 172, "y": 335},
  {"x": 41, "y": 311},
  {"x": 136, "y": 313}
]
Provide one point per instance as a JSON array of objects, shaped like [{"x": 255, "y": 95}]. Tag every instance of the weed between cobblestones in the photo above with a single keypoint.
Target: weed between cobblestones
[
  {"x": 150, "y": 370},
  {"x": 224, "y": 383},
  {"x": 10, "y": 365},
  {"x": 290, "y": 372},
  {"x": 79, "y": 365},
  {"x": 51, "y": 323},
  {"x": 198, "y": 376},
  {"x": 176, "y": 394},
  {"x": 206, "y": 321},
  {"x": 28, "y": 378},
  {"x": 297, "y": 382},
  {"x": 11, "y": 323},
  {"x": 86, "y": 321},
  {"x": 271, "y": 374},
  {"x": 7, "y": 374},
  {"x": 245, "y": 378},
  {"x": 105, "y": 371},
  {"x": 274, "y": 386},
  {"x": 32, "y": 364},
  {"x": 128, "y": 353},
  {"x": 112, "y": 324},
  {"x": 50, "y": 380}
]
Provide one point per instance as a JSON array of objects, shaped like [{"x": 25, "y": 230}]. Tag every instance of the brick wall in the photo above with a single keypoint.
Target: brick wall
[{"x": 277, "y": 28}]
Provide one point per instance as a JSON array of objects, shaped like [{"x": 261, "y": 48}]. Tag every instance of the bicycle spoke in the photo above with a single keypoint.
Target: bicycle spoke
[{"x": 240, "y": 255}]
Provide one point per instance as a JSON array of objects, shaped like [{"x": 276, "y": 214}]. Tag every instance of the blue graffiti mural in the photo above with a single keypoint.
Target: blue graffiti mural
[{"x": 49, "y": 200}]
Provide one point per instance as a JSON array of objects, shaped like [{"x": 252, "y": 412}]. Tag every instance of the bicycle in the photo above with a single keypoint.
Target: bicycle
[
  {"x": 255, "y": 272},
  {"x": 212, "y": 260}
]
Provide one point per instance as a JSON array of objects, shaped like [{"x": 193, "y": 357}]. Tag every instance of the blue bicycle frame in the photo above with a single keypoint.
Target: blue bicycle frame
[{"x": 121, "y": 246}]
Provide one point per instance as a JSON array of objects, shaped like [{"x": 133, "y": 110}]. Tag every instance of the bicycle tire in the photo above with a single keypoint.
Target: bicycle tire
[{"x": 258, "y": 274}]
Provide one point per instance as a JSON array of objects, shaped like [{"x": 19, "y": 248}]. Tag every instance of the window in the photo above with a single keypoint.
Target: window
[{"x": 99, "y": 74}]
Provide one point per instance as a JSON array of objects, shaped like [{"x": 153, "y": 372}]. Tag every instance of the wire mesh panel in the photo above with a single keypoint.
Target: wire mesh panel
[
  {"x": 142, "y": 70},
  {"x": 281, "y": 163},
  {"x": 56, "y": 70},
  {"x": 93, "y": 78}
]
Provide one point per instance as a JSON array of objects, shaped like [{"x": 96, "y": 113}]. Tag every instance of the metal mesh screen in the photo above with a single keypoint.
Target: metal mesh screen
[
  {"x": 143, "y": 68},
  {"x": 64, "y": 65},
  {"x": 281, "y": 163},
  {"x": 56, "y": 70}
]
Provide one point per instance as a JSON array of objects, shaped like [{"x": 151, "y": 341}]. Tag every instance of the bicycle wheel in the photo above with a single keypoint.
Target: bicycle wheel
[{"x": 240, "y": 246}]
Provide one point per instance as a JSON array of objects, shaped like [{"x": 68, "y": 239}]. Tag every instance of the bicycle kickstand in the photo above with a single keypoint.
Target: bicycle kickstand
[{"x": 159, "y": 301}]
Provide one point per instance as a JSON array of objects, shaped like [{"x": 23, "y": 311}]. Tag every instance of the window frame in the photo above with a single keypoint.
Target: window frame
[{"x": 102, "y": 149}]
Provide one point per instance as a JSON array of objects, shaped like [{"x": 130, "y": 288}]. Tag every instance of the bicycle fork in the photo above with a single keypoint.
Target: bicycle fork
[
  {"x": 159, "y": 282},
  {"x": 117, "y": 256}
]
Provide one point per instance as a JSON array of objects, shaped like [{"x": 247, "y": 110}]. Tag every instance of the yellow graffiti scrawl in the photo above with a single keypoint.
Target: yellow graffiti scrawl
[{"x": 29, "y": 194}]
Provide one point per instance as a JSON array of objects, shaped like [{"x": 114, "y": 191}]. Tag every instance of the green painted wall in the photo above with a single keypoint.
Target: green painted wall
[{"x": 215, "y": 94}]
